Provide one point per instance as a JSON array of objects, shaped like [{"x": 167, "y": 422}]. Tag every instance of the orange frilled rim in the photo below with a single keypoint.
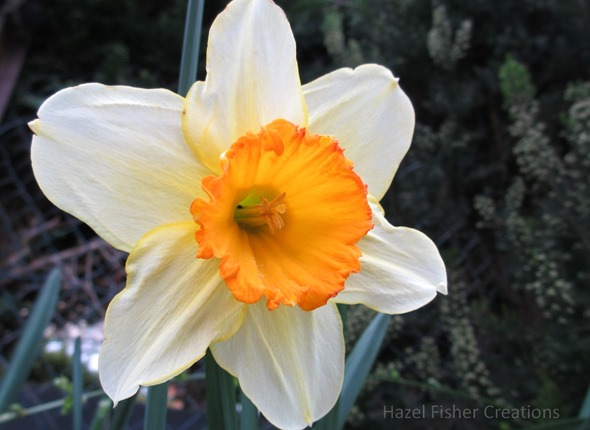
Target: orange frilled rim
[{"x": 284, "y": 217}]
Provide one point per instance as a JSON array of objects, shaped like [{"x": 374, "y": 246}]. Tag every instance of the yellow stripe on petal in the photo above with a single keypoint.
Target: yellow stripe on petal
[
  {"x": 252, "y": 78},
  {"x": 290, "y": 363},
  {"x": 173, "y": 307},
  {"x": 284, "y": 217},
  {"x": 115, "y": 157}
]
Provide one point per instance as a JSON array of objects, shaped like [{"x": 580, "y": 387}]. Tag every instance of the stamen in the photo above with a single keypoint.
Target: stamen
[{"x": 266, "y": 212}]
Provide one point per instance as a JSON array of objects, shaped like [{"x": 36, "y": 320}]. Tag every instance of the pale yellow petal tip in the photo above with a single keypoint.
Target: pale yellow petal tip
[
  {"x": 375, "y": 205},
  {"x": 35, "y": 126},
  {"x": 120, "y": 395}
]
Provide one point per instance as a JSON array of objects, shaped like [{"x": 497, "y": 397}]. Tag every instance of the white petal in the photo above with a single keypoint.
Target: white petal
[
  {"x": 369, "y": 114},
  {"x": 173, "y": 307},
  {"x": 289, "y": 362},
  {"x": 252, "y": 79},
  {"x": 115, "y": 157},
  {"x": 401, "y": 269}
]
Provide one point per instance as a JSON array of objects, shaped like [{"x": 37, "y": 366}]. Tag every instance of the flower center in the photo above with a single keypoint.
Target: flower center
[
  {"x": 283, "y": 217},
  {"x": 250, "y": 216}
]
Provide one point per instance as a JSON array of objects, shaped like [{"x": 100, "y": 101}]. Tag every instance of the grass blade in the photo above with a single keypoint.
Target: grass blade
[
  {"x": 189, "y": 62},
  {"x": 17, "y": 414},
  {"x": 77, "y": 382},
  {"x": 585, "y": 410},
  {"x": 359, "y": 363},
  {"x": 101, "y": 413},
  {"x": 249, "y": 415},
  {"x": 122, "y": 413},
  {"x": 30, "y": 342},
  {"x": 221, "y": 396},
  {"x": 156, "y": 407},
  {"x": 330, "y": 421}
]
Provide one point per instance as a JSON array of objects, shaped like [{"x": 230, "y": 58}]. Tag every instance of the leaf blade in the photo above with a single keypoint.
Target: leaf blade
[{"x": 29, "y": 344}]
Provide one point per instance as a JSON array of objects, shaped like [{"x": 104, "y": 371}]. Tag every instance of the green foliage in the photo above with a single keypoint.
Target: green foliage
[
  {"x": 515, "y": 83},
  {"x": 221, "y": 396},
  {"x": 30, "y": 342},
  {"x": 359, "y": 363},
  {"x": 498, "y": 176},
  {"x": 108, "y": 41},
  {"x": 156, "y": 407}
]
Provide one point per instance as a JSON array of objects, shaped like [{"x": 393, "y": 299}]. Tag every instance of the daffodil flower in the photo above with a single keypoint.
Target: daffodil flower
[{"x": 249, "y": 209}]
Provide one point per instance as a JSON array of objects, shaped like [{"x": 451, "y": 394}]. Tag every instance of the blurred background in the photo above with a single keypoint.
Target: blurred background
[{"x": 498, "y": 176}]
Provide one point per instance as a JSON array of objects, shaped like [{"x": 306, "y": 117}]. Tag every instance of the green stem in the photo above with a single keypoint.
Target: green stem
[
  {"x": 156, "y": 407},
  {"x": 585, "y": 410},
  {"x": 249, "y": 415},
  {"x": 221, "y": 396},
  {"x": 77, "y": 381},
  {"x": 189, "y": 62},
  {"x": 12, "y": 415},
  {"x": 122, "y": 413},
  {"x": 30, "y": 341}
]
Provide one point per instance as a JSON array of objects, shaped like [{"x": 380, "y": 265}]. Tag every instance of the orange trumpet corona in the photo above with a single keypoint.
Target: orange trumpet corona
[{"x": 284, "y": 217}]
